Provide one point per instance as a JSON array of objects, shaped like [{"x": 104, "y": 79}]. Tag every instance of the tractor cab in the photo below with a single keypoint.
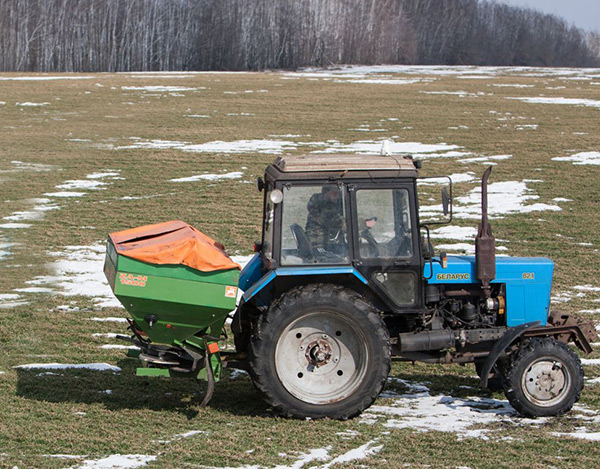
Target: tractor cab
[{"x": 348, "y": 213}]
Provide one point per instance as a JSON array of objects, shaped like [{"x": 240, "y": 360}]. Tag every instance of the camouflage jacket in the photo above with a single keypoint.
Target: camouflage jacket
[{"x": 325, "y": 224}]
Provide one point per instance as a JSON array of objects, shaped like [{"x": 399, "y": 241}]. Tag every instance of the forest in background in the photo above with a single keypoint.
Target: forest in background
[{"x": 153, "y": 35}]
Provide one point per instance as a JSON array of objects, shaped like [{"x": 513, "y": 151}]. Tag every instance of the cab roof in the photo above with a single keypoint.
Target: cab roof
[{"x": 336, "y": 163}]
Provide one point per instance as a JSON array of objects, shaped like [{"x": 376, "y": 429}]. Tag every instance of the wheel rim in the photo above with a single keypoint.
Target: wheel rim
[
  {"x": 546, "y": 382},
  {"x": 321, "y": 358}
]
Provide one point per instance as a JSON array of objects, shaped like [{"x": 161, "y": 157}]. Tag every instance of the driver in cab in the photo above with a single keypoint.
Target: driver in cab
[{"x": 326, "y": 223}]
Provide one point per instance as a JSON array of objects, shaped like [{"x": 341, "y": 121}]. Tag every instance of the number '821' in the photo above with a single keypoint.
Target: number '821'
[{"x": 528, "y": 275}]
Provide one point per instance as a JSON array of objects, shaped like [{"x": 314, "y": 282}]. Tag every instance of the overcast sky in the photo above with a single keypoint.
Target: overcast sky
[{"x": 583, "y": 13}]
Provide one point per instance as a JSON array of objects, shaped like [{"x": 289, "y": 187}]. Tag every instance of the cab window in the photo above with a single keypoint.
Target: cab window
[
  {"x": 313, "y": 228},
  {"x": 384, "y": 223}
]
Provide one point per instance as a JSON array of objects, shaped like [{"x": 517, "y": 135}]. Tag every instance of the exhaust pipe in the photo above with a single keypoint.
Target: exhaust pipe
[{"x": 485, "y": 243}]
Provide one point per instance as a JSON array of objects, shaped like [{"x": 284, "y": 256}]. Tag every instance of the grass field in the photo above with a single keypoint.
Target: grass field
[{"x": 85, "y": 155}]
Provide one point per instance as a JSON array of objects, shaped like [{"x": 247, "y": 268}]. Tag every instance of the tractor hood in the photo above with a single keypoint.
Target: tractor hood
[{"x": 528, "y": 282}]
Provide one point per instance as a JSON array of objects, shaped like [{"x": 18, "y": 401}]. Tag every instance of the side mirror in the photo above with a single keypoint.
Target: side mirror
[
  {"x": 260, "y": 183},
  {"x": 445, "y": 201}
]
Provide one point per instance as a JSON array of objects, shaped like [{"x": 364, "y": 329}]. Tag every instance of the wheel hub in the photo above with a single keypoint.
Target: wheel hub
[
  {"x": 545, "y": 382},
  {"x": 318, "y": 352}
]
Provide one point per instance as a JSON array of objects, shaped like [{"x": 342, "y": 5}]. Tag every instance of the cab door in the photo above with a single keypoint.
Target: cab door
[{"x": 386, "y": 244}]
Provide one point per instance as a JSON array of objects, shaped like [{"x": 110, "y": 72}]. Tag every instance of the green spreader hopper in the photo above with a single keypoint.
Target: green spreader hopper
[
  {"x": 171, "y": 302},
  {"x": 178, "y": 285}
]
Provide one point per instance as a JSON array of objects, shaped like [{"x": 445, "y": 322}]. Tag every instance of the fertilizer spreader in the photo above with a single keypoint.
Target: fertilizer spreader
[{"x": 179, "y": 286}]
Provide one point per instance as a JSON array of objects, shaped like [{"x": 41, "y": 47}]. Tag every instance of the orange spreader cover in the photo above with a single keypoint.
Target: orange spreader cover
[{"x": 172, "y": 242}]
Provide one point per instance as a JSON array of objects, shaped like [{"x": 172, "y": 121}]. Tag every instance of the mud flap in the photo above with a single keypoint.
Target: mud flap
[{"x": 508, "y": 338}]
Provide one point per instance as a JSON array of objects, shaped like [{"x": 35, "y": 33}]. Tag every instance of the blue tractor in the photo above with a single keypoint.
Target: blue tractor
[{"x": 345, "y": 279}]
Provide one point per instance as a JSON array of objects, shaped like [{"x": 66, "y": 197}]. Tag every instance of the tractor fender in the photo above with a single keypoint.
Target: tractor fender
[
  {"x": 300, "y": 271},
  {"x": 508, "y": 338}
]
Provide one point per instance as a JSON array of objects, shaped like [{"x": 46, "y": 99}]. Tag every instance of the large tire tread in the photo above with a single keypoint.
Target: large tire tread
[
  {"x": 265, "y": 333},
  {"x": 512, "y": 377}
]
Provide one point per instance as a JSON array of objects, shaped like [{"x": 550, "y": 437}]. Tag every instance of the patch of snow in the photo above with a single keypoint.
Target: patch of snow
[
  {"x": 34, "y": 290},
  {"x": 11, "y": 300},
  {"x": 44, "y": 78},
  {"x": 22, "y": 166},
  {"x": 565, "y": 297},
  {"x": 106, "y": 174},
  {"x": 347, "y": 434},
  {"x": 70, "y": 366},
  {"x": 590, "y": 361},
  {"x": 79, "y": 271},
  {"x": 237, "y": 146},
  {"x": 568, "y": 101},
  {"x": 586, "y": 288},
  {"x": 461, "y": 233},
  {"x": 504, "y": 198},
  {"x": 485, "y": 159},
  {"x": 474, "y": 77},
  {"x": 67, "y": 309},
  {"x": 369, "y": 130},
  {"x": 210, "y": 177},
  {"x": 109, "y": 319},
  {"x": 14, "y": 226},
  {"x": 289, "y": 136},
  {"x": 24, "y": 215},
  {"x": 562, "y": 199},
  {"x": 580, "y": 435},
  {"x": 465, "y": 248},
  {"x": 65, "y": 194},
  {"x": 81, "y": 184},
  {"x": 159, "y": 88},
  {"x": 191, "y": 433},
  {"x": 461, "y": 94},
  {"x": 370, "y": 147},
  {"x": 5, "y": 248},
  {"x": 117, "y": 461},
  {"x": 119, "y": 347},
  {"x": 381, "y": 81},
  {"x": 456, "y": 178},
  {"x": 423, "y": 412},
  {"x": 235, "y": 373},
  {"x": 509, "y": 85},
  {"x": 30, "y": 104},
  {"x": 445, "y": 70},
  {"x": 584, "y": 158},
  {"x": 362, "y": 452}
]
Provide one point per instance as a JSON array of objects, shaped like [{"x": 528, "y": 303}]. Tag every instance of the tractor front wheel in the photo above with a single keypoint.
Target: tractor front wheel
[
  {"x": 320, "y": 351},
  {"x": 543, "y": 378}
]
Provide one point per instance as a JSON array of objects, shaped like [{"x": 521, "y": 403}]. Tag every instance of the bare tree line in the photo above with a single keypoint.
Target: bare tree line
[{"x": 127, "y": 35}]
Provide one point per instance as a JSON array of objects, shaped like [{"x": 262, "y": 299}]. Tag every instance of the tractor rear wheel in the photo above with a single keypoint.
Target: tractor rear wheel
[
  {"x": 320, "y": 351},
  {"x": 543, "y": 378}
]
